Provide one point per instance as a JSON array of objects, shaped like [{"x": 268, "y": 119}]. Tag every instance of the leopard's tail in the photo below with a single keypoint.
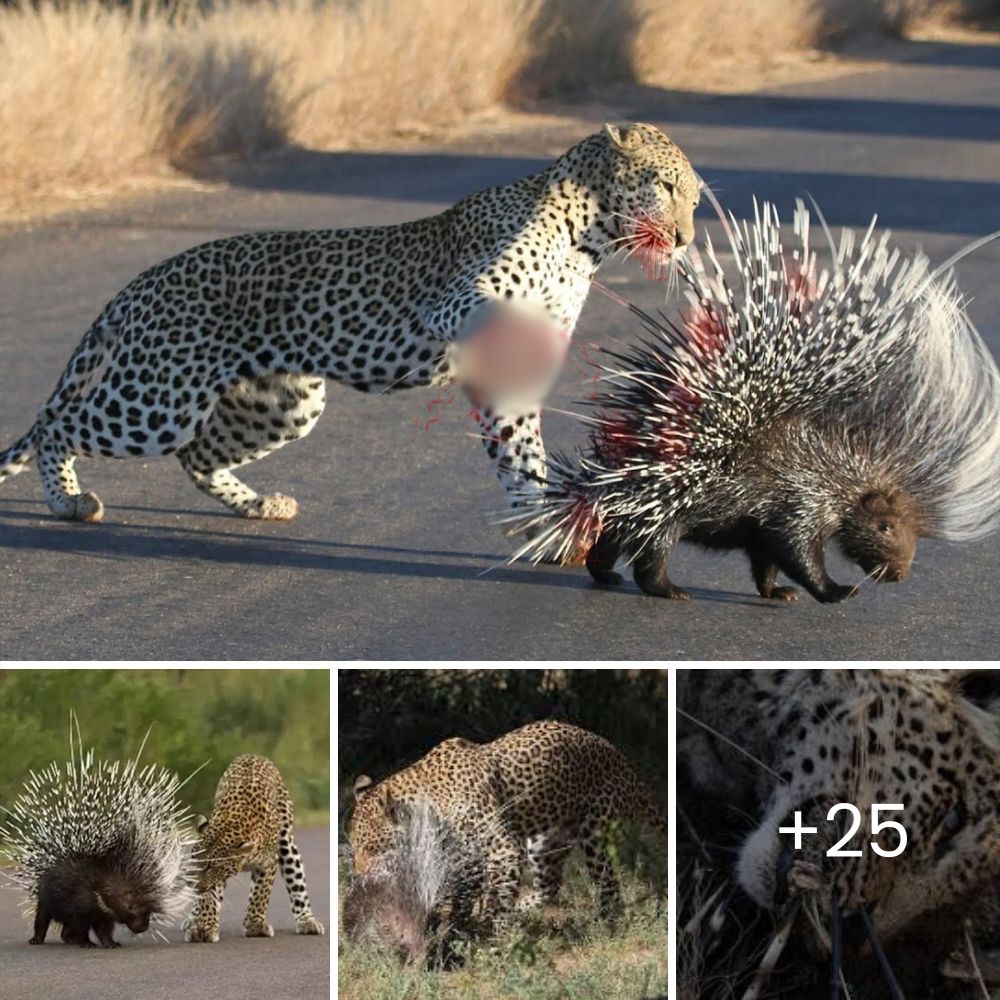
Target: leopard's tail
[
  {"x": 18, "y": 456},
  {"x": 80, "y": 373}
]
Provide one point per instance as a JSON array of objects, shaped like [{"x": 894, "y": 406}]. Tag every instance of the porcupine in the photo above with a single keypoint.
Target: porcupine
[
  {"x": 419, "y": 892},
  {"x": 785, "y": 407},
  {"x": 98, "y": 844}
]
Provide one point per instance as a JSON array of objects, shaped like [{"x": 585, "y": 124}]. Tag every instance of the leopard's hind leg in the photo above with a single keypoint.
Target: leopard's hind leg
[{"x": 254, "y": 418}]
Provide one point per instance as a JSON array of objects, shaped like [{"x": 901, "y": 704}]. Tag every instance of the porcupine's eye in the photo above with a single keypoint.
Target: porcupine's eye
[{"x": 885, "y": 527}]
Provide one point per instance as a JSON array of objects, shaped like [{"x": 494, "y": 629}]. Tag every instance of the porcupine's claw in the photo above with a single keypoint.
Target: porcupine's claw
[{"x": 892, "y": 984}]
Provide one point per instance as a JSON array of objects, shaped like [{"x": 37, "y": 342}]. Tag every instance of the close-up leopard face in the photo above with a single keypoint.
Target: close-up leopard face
[{"x": 651, "y": 189}]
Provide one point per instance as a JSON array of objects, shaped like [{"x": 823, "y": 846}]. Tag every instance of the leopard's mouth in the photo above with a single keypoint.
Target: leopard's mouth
[
  {"x": 646, "y": 237},
  {"x": 652, "y": 246}
]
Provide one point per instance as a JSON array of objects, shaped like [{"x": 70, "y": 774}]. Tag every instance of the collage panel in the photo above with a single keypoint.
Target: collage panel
[
  {"x": 503, "y": 833},
  {"x": 838, "y": 833},
  {"x": 165, "y": 833}
]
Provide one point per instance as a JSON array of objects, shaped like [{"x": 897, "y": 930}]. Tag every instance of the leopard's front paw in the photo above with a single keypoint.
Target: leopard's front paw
[
  {"x": 309, "y": 925},
  {"x": 201, "y": 934},
  {"x": 258, "y": 929}
]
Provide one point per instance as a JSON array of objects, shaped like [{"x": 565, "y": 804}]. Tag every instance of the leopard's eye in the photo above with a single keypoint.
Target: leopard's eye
[{"x": 667, "y": 186}]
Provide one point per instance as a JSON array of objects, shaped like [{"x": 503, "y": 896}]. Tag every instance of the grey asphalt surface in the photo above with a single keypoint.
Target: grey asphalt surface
[
  {"x": 387, "y": 557},
  {"x": 285, "y": 967}
]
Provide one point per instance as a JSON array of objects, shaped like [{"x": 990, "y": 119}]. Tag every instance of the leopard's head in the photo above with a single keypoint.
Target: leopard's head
[
  {"x": 644, "y": 190},
  {"x": 225, "y": 849},
  {"x": 377, "y": 814}
]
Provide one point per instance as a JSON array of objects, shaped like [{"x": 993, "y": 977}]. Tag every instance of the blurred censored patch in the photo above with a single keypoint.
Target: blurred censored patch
[{"x": 509, "y": 355}]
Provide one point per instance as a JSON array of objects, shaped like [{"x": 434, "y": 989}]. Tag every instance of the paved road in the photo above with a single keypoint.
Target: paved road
[
  {"x": 387, "y": 558},
  {"x": 285, "y": 967}
]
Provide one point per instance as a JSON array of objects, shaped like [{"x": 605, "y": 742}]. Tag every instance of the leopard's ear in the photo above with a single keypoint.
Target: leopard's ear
[
  {"x": 626, "y": 139},
  {"x": 361, "y": 784},
  {"x": 200, "y": 823}
]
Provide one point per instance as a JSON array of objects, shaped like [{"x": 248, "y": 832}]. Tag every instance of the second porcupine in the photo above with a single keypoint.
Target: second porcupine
[
  {"x": 417, "y": 892},
  {"x": 97, "y": 844},
  {"x": 785, "y": 407}
]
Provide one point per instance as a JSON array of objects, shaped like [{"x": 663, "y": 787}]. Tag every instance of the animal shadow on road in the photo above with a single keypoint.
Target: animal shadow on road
[{"x": 134, "y": 542}]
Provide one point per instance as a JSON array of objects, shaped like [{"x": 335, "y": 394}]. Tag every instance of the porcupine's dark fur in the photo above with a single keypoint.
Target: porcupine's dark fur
[
  {"x": 419, "y": 893},
  {"x": 98, "y": 844},
  {"x": 786, "y": 407}
]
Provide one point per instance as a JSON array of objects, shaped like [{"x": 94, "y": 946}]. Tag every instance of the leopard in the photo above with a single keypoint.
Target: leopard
[
  {"x": 522, "y": 801},
  {"x": 221, "y": 354},
  {"x": 250, "y": 828},
  {"x": 763, "y": 751}
]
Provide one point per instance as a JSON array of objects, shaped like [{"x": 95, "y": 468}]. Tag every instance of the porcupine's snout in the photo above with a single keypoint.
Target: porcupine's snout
[{"x": 138, "y": 923}]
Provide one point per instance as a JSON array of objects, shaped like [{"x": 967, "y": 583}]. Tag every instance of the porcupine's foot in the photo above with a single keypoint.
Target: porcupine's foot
[
  {"x": 765, "y": 575},
  {"x": 601, "y": 561},
  {"x": 668, "y": 590},
  {"x": 198, "y": 934},
  {"x": 258, "y": 928},
  {"x": 788, "y": 594},
  {"x": 36, "y": 940},
  {"x": 651, "y": 576},
  {"x": 309, "y": 925},
  {"x": 835, "y": 593}
]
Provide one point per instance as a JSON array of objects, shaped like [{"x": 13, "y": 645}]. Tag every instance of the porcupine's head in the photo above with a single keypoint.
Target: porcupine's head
[
  {"x": 418, "y": 889},
  {"x": 121, "y": 898},
  {"x": 880, "y": 534},
  {"x": 116, "y": 829},
  {"x": 645, "y": 189}
]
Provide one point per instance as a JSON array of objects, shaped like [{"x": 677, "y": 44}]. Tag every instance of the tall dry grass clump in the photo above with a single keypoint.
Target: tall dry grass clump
[
  {"x": 679, "y": 42},
  {"x": 90, "y": 93},
  {"x": 93, "y": 92}
]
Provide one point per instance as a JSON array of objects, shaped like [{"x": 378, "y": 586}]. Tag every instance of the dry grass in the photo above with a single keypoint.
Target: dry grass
[
  {"x": 94, "y": 94},
  {"x": 90, "y": 94}
]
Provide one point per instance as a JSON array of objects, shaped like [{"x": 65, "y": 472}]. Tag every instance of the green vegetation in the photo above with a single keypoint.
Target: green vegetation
[{"x": 196, "y": 716}]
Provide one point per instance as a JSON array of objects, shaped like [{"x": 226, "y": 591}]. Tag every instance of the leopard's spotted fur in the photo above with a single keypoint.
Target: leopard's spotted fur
[
  {"x": 928, "y": 740},
  {"x": 220, "y": 354},
  {"x": 527, "y": 797},
  {"x": 250, "y": 828}
]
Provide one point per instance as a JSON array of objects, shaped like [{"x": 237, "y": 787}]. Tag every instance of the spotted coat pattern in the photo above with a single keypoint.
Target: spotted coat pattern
[
  {"x": 250, "y": 829},
  {"x": 220, "y": 354},
  {"x": 528, "y": 797},
  {"x": 928, "y": 740}
]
